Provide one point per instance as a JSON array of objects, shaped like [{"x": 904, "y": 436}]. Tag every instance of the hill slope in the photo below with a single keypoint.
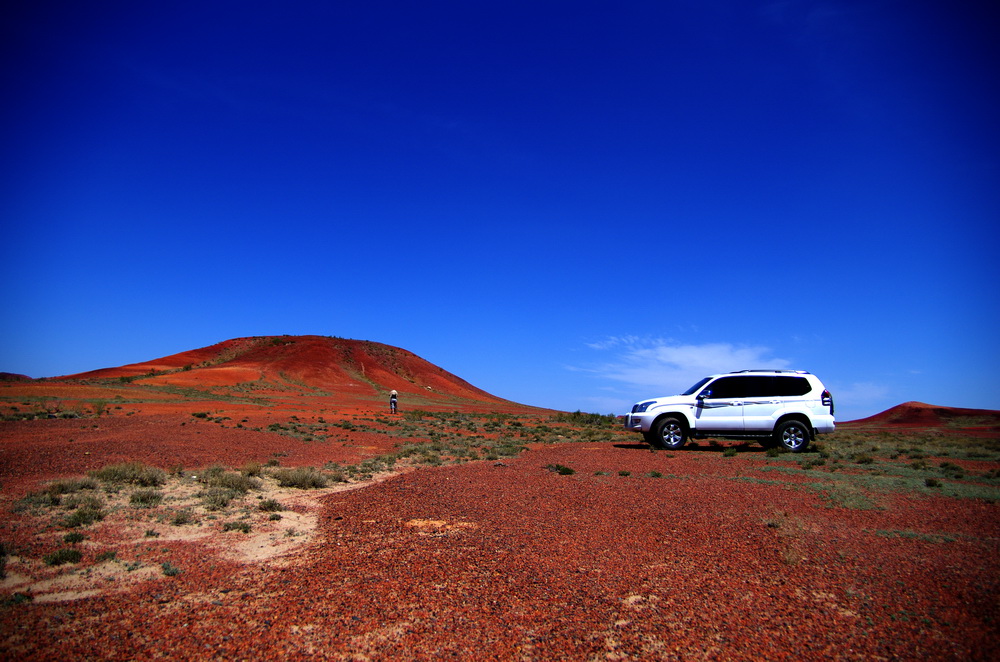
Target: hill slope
[
  {"x": 337, "y": 365},
  {"x": 920, "y": 414}
]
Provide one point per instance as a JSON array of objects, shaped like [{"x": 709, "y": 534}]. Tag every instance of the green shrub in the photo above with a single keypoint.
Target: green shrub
[
  {"x": 217, "y": 498},
  {"x": 71, "y": 486},
  {"x": 561, "y": 469},
  {"x": 135, "y": 473},
  {"x": 83, "y": 517},
  {"x": 73, "y": 537},
  {"x": 270, "y": 506},
  {"x": 301, "y": 477},
  {"x": 146, "y": 498},
  {"x": 729, "y": 452},
  {"x": 253, "y": 469},
  {"x": 169, "y": 569},
  {"x": 182, "y": 517},
  {"x": 91, "y": 501},
  {"x": 236, "y": 526},
  {"x": 61, "y": 556},
  {"x": 231, "y": 480}
]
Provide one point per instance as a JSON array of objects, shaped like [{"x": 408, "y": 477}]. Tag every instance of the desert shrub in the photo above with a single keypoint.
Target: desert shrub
[
  {"x": 252, "y": 469},
  {"x": 135, "y": 473},
  {"x": 84, "y": 516},
  {"x": 270, "y": 506},
  {"x": 106, "y": 556},
  {"x": 71, "y": 486},
  {"x": 932, "y": 482},
  {"x": 61, "y": 556},
  {"x": 3, "y": 560},
  {"x": 301, "y": 477},
  {"x": 951, "y": 469},
  {"x": 244, "y": 527},
  {"x": 169, "y": 569},
  {"x": 231, "y": 480},
  {"x": 216, "y": 498},
  {"x": 655, "y": 474},
  {"x": 74, "y": 537},
  {"x": 92, "y": 501},
  {"x": 146, "y": 498},
  {"x": 583, "y": 418},
  {"x": 729, "y": 452},
  {"x": 182, "y": 517},
  {"x": 561, "y": 469}
]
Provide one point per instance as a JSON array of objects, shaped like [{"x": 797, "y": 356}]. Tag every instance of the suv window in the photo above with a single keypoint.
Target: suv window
[
  {"x": 791, "y": 386},
  {"x": 731, "y": 387},
  {"x": 759, "y": 386}
]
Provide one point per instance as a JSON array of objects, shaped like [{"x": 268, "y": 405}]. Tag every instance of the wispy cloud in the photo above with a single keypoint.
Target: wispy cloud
[{"x": 653, "y": 367}]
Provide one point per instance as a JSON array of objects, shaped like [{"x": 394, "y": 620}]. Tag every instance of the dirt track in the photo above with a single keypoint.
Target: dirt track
[{"x": 510, "y": 560}]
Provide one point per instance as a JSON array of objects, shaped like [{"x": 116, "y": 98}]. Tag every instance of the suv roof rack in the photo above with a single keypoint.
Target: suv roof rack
[{"x": 794, "y": 372}]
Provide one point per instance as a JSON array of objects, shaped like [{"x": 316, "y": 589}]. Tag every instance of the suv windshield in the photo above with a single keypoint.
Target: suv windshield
[{"x": 697, "y": 386}]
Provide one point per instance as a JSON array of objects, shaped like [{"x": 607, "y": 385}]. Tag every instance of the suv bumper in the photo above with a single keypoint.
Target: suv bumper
[{"x": 636, "y": 423}]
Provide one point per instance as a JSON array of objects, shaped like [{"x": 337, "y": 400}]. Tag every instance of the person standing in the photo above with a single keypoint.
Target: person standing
[{"x": 392, "y": 401}]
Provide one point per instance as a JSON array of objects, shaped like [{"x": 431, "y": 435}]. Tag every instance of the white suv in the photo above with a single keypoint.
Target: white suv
[{"x": 776, "y": 407}]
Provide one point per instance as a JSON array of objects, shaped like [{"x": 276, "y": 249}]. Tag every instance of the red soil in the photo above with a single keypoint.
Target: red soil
[{"x": 493, "y": 560}]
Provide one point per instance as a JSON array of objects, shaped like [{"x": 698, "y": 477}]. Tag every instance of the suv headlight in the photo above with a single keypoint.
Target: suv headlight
[{"x": 642, "y": 406}]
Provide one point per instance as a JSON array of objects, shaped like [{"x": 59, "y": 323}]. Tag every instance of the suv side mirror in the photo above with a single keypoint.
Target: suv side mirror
[{"x": 703, "y": 395}]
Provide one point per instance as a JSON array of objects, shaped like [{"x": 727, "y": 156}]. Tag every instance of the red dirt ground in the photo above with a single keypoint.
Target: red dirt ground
[{"x": 490, "y": 560}]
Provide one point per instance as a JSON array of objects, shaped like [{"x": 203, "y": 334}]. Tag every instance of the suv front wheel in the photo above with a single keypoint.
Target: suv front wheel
[
  {"x": 792, "y": 436},
  {"x": 668, "y": 433}
]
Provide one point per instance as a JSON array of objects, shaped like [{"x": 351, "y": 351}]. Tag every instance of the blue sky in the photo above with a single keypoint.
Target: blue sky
[{"x": 574, "y": 205}]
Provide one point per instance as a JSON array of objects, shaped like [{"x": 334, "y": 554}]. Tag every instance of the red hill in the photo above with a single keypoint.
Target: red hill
[
  {"x": 919, "y": 414},
  {"x": 347, "y": 368}
]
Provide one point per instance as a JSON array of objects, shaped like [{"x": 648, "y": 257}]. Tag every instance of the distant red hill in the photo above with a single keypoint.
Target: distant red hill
[
  {"x": 337, "y": 365},
  {"x": 919, "y": 414}
]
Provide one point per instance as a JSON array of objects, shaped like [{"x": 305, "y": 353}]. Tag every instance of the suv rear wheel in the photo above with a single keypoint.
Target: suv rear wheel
[
  {"x": 792, "y": 436},
  {"x": 668, "y": 433}
]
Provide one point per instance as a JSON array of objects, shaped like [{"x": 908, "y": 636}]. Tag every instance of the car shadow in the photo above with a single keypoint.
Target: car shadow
[{"x": 695, "y": 446}]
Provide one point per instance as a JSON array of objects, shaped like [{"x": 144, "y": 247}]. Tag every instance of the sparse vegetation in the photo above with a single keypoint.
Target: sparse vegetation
[
  {"x": 243, "y": 527},
  {"x": 135, "y": 473},
  {"x": 146, "y": 498},
  {"x": 169, "y": 569},
  {"x": 270, "y": 506},
  {"x": 301, "y": 477},
  {"x": 64, "y": 555}
]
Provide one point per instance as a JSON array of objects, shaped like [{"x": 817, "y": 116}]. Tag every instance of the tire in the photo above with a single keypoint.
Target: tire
[
  {"x": 792, "y": 436},
  {"x": 668, "y": 433}
]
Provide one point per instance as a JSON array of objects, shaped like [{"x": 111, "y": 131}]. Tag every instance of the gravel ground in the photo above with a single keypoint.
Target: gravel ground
[{"x": 707, "y": 558}]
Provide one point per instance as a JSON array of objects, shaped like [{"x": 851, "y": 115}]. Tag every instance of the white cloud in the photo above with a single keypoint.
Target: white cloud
[{"x": 664, "y": 367}]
